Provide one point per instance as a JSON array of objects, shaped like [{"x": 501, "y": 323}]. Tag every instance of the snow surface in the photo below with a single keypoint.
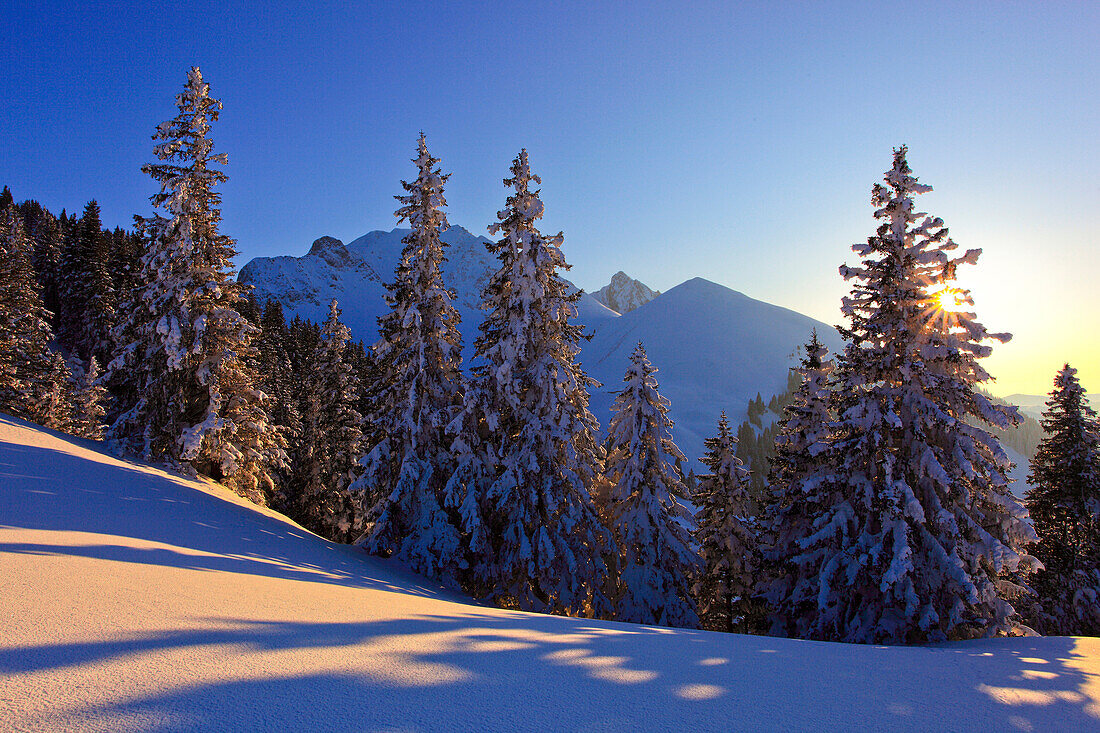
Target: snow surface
[{"x": 138, "y": 600}]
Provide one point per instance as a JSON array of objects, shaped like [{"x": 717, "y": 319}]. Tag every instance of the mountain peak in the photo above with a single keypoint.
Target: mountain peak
[
  {"x": 331, "y": 250},
  {"x": 624, "y": 293}
]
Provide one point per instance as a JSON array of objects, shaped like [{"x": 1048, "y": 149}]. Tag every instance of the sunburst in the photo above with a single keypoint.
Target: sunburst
[{"x": 950, "y": 299}]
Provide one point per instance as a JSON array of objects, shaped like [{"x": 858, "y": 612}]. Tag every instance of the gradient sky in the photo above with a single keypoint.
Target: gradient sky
[{"x": 733, "y": 141}]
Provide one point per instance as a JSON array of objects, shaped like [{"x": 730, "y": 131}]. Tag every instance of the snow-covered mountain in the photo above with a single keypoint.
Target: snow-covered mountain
[
  {"x": 355, "y": 274},
  {"x": 138, "y": 600},
  {"x": 623, "y": 294},
  {"x": 715, "y": 348}
]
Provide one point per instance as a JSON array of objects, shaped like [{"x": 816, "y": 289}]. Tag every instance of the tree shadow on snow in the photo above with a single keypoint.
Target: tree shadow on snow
[{"x": 497, "y": 670}]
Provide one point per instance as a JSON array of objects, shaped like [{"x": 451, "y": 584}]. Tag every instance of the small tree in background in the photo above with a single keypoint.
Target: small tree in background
[
  {"x": 33, "y": 379},
  {"x": 727, "y": 537},
  {"x": 655, "y": 560},
  {"x": 1064, "y": 501},
  {"x": 331, "y": 439},
  {"x": 89, "y": 397},
  {"x": 798, "y": 486}
]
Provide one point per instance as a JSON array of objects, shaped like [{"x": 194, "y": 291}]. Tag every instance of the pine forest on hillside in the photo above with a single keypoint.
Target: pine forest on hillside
[{"x": 870, "y": 502}]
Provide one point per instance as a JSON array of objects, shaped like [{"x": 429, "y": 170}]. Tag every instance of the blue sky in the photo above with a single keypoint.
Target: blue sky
[{"x": 732, "y": 141}]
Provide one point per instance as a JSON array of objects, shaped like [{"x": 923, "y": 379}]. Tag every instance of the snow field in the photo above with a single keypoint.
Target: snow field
[{"x": 133, "y": 599}]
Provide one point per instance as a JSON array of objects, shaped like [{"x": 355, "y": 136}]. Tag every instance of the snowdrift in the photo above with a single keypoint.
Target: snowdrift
[{"x": 134, "y": 599}]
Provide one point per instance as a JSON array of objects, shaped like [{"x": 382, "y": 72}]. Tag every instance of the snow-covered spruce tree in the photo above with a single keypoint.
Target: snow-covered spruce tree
[
  {"x": 799, "y": 490},
  {"x": 527, "y": 455},
  {"x": 89, "y": 397},
  {"x": 87, "y": 296},
  {"x": 33, "y": 379},
  {"x": 656, "y": 561},
  {"x": 727, "y": 537},
  {"x": 420, "y": 392},
  {"x": 1064, "y": 501},
  {"x": 186, "y": 355},
  {"x": 916, "y": 536},
  {"x": 331, "y": 439}
]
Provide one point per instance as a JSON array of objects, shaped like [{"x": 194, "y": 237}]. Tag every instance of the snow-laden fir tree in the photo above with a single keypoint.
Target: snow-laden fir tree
[
  {"x": 917, "y": 537},
  {"x": 331, "y": 439},
  {"x": 727, "y": 537},
  {"x": 798, "y": 491},
  {"x": 420, "y": 392},
  {"x": 33, "y": 379},
  {"x": 525, "y": 442},
  {"x": 89, "y": 398},
  {"x": 87, "y": 296},
  {"x": 1064, "y": 502},
  {"x": 190, "y": 393},
  {"x": 655, "y": 561}
]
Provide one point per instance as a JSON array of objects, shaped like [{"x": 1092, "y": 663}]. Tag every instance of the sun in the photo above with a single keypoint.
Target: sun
[{"x": 950, "y": 299}]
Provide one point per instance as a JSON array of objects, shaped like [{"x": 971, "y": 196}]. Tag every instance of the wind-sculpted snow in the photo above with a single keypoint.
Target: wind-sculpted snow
[{"x": 136, "y": 600}]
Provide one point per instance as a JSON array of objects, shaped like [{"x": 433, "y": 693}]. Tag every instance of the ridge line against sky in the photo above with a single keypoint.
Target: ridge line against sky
[{"x": 730, "y": 141}]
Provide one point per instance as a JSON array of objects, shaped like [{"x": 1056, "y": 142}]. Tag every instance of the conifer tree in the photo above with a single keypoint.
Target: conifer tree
[
  {"x": 727, "y": 537},
  {"x": 1064, "y": 501},
  {"x": 277, "y": 373},
  {"x": 528, "y": 458},
  {"x": 655, "y": 561},
  {"x": 796, "y": 495},
  {"x": 916, "y": 536},
  {"x": 421, "y": 389},
  {"x": 87, "y": 295},
  {"x": 88, "y": 400},
  {"x": 186, "y": 351},
  {"x": 330, "y": 439},
  {"x": 33, "y": 379},
  {"x": 45, "y": 232}
]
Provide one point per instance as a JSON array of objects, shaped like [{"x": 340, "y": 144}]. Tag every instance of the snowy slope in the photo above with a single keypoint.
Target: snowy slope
[
  {"x": 1018, "y": 475},
  {"x": 623, "y": 294},
  {"x": 714, "y": 349},
  {"x": 137, "y": 600}
]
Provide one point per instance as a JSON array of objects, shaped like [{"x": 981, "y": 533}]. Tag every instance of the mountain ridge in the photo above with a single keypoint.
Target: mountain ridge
[{"x": 715, "y": 348}]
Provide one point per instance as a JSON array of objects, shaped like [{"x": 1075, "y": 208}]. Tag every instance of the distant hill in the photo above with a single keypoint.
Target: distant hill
[{"x": 1034, "y": 404}]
